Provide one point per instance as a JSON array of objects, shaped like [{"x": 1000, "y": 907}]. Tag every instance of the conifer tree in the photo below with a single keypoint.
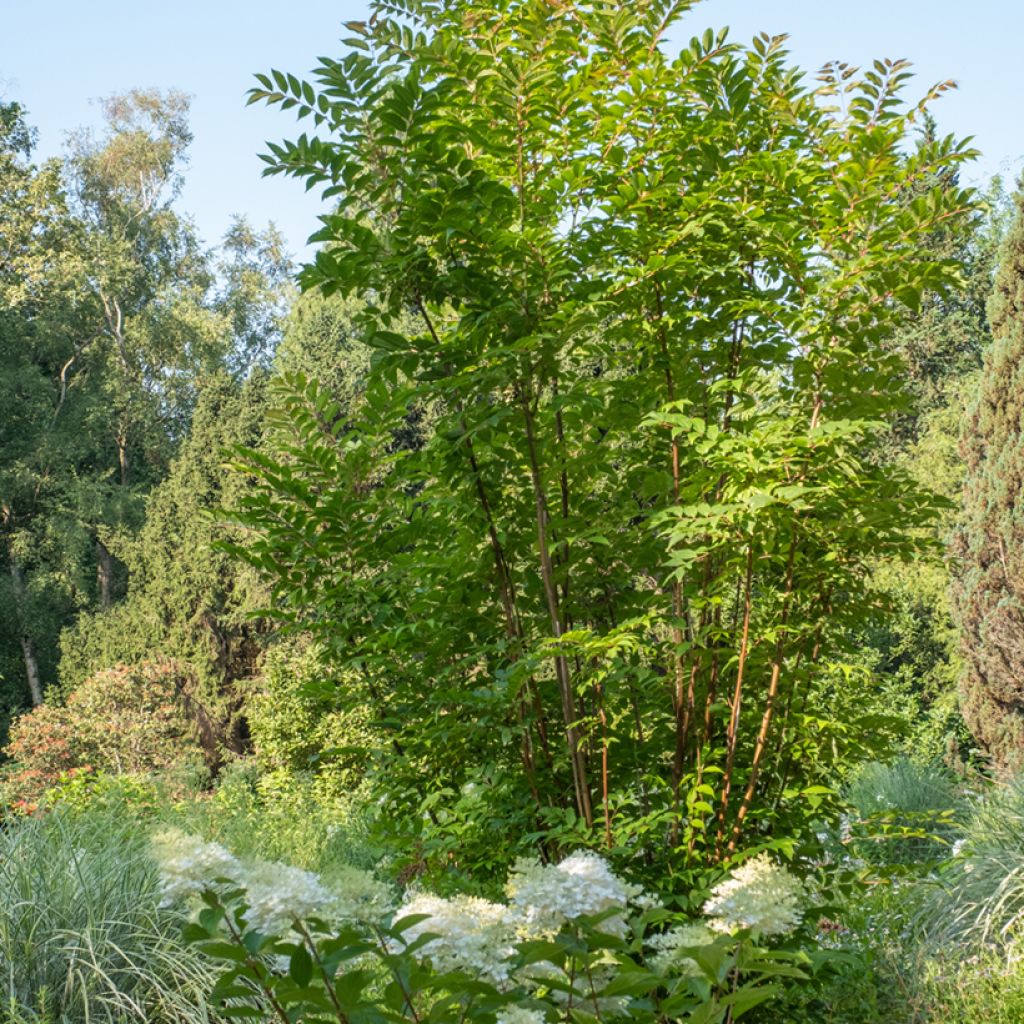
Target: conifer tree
[{"x": 989, "y": 589}]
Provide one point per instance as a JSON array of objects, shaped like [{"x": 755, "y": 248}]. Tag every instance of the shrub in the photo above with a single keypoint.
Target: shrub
[
  {"x": 81, "y": 935},
  {"x": 122, "y": 721},
  {"x": 641, "y": 522},
  {"x": 294, "y": 817},
  {"x": 569, "y": 944},
  {"x": 298, "y": 722},
  {"x": 86, "y": 791}
]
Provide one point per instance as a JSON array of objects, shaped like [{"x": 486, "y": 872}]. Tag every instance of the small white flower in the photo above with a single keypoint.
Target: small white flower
[
  {"x": 958, "y": 847},
  {"x": 670, "y": 958},
  {"x": 513, "y": 1014},
  {"x": 759, "y": 895}
]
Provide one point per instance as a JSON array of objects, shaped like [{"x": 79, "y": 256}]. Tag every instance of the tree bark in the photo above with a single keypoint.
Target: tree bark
[
  {"x": 104, "y": 574},
  {"x": 28, "y": 650}
]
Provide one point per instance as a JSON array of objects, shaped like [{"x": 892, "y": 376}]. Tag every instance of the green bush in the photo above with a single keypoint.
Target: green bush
[
  {"x": 82, "y": 938},
  {"x": 572, "y": 943},
  {"x": 295, "y": 817},
  {"x": 304, "y": 718}
]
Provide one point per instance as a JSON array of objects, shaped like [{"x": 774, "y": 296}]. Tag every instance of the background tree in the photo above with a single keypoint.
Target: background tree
[
  {"x": 912, "y": 644},
  {"x": 112, "y": 315},
  {"x": 42, "y": 444},
  {"x": 990, "y": 544}
]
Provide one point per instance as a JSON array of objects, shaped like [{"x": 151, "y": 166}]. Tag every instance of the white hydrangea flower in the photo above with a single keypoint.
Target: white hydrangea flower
[
  {"x": 513, "y": 1014},
  {"x": 544, "y": 896},
  {"x": 473, "y": 934},
  {"x": 358, "y": 896},
  {"x": 670, "y": 959},
  {"x": 189, "y": 864},
  {"x": 278, "y": 894},
  {"x": 759, "y": 895}
]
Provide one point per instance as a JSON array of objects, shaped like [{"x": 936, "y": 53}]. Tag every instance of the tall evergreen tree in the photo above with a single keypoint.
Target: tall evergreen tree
[{"x": 989, "y": 591}]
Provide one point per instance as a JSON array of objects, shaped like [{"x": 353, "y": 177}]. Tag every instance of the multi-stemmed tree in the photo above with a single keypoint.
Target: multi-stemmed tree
[{"x": 650, "y": 296}]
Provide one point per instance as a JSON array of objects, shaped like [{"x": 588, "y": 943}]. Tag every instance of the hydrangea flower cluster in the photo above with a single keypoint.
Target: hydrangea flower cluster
[
  {"x": 670, "y": 957},
  {"x": 276, "y": 894},
  {"x": 188, "y": 864},
  {"x": 360, "y": 896},
  {"x": 472, "y": 934},
  {"x": 513, "y": 1014},
  {"x": 759, "y": 895},
  {"x": 543, "y": 897},
  {"x": 478, "y": 936}
]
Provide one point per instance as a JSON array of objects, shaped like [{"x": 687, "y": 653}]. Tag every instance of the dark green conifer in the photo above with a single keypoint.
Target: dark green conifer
[{"x": 989, "y": 587}]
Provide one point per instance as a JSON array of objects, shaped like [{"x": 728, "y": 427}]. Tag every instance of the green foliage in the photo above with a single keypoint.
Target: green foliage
[
  {"x": 295, "y": 726},
  {"x": 638, "y": 530},
  {"x": 89, "y": 792},
  {"x": 113, "y": 315},
  {"x": 988, "y": 543},
  {"x": 280, "y": 815},
  {"x": 186, "y": 600},
  {"x": 944, "y": 343},
  {"x": 985, "y": 986},
  {"x": 981, "y": 895},
  {"x": 82, "y": 940},
  {"x": 912, "y": 642}
]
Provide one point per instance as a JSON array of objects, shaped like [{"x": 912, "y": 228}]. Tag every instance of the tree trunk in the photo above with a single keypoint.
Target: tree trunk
[
  {"x": 122, "y": 456},
  {"x": 35, "y": 687},
  {"x": 104, "y": 574}
]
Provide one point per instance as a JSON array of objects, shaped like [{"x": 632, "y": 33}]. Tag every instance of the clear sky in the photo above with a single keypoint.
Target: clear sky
[{"x": 58, "y": 55}]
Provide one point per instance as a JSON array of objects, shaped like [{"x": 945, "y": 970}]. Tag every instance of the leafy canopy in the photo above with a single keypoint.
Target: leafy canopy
[{"x": 611, "y": 581}]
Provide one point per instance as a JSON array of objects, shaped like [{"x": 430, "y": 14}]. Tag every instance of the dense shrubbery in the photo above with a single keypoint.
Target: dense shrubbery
[
  {"x": 123, "y": 721},
  {"x": 570, "y": 944}
]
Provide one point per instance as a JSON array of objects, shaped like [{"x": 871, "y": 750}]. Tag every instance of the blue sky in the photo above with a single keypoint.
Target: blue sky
[{"x": 57, "y": 56}]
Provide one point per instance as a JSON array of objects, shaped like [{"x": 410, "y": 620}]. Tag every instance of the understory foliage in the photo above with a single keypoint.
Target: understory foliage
[
  {"x": 570, "y": 943},
  {"x": 648, "y": 296},
  {"x": 989, "y": 547}
]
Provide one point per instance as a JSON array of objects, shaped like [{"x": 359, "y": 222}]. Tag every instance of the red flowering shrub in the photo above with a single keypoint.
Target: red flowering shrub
[{"x": 122, "y": 721}]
